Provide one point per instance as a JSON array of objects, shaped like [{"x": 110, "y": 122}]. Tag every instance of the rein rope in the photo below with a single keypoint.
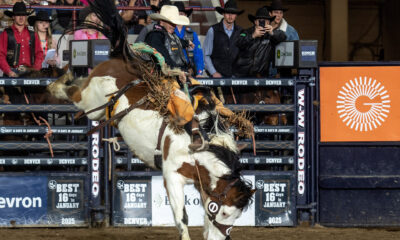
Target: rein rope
[
  {"x": 49, "y": 132},
  {"x": 116, "y": 147},
  {"x": 113, "y": 99}
]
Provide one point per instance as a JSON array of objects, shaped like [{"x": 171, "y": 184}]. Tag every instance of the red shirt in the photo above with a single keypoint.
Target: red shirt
[{"x": 25, "y": 52}]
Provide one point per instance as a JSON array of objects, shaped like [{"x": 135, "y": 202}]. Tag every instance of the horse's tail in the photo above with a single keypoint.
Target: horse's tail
[{"x": 112, "y": 27}]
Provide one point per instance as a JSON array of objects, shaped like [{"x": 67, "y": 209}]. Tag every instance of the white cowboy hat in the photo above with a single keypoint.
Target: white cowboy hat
[{"x": 170, "y": 14}]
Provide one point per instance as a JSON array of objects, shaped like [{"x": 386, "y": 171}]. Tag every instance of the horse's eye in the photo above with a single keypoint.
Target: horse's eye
[{"x": 224, "y": 214}]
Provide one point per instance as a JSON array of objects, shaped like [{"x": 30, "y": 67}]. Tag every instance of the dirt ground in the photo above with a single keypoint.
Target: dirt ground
[{"x": 169, "y": 233}]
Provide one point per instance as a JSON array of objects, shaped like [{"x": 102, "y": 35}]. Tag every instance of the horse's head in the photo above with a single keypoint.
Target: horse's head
[
  {"x": 61, "y": 86},
  {"x": 269, "y": 96},
  {"x": 226, "y": 197},
  {"x": 224, "y": 205}
]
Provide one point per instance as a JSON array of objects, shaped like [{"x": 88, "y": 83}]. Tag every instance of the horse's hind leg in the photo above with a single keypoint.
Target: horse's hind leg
[{"x": 174, "y": 184}]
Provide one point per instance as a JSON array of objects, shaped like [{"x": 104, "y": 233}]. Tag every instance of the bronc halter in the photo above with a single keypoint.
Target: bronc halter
[{"x": 214, "y": 206}]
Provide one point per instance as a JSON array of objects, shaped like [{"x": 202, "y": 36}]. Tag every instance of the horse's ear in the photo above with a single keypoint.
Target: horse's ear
[
  {"x": 66, "y": 67},
  {"x": 253, "y": 191}
]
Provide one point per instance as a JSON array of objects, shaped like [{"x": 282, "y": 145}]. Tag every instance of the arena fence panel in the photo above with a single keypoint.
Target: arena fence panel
[{"x": 38, "y": 190}]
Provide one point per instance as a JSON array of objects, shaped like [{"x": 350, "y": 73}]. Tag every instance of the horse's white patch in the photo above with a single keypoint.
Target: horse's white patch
[{"x": 94, "y": 95}]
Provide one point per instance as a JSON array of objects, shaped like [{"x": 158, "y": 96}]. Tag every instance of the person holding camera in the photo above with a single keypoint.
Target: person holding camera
[{"x": 256, "y": 46}]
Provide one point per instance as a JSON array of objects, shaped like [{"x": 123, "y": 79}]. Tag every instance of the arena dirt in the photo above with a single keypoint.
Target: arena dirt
[{"x": 238, "y": 233}]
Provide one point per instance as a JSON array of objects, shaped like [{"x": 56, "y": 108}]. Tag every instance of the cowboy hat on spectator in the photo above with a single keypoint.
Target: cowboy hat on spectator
[
  {"x": 40, "y": 16},
  {"x": 277, "y": 5},
  {"x": 230, "y": 7},
  {"x": 19, "y": 9},
  {"x": 170, "y": 14},
  {"x": 181, "y": 8},
  {"x": 262, "y": 13}
]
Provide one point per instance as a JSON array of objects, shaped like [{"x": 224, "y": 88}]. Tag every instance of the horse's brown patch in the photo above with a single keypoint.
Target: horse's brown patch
[
  {"x": 123, "y": 73},
  {"x": 167, "y": 143},
  {"x": 190, "y": 171},
  {"x": 74, "y": 94},
  {"x": 231, "y": 195}
]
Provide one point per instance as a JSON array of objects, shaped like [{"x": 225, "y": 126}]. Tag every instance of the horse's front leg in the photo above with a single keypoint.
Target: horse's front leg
[{"x": 174, "y": 183}]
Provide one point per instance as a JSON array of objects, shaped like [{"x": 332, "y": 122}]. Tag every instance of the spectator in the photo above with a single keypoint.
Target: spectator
[
  {"x": 276, "y": 9},
  {"x": 256, "y": 46},
  {"x": 20, "y": 47},
  {"x": 193, "y": 55},
  {"x": 219, "y": 46},
  {"x": 127, "y": 15},
  {"x": 41, "y": 23},
  {"x": 142, "y": 22},
  {"x": 63, "y": 18},
  {"x": 86, "y": 15},
  {"x": 164, "y": 39},
  {"x": 150, "y": 27}
]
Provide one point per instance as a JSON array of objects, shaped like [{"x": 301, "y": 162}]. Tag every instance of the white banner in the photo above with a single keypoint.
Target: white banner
[{"x": 162, "y": 213}]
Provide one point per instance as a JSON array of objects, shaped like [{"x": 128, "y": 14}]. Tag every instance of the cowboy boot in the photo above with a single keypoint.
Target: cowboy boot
[{"x": 198, "y": 140}]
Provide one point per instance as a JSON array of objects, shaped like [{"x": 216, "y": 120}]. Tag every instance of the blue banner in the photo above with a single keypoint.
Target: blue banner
[{"x": 23, "y": 200}]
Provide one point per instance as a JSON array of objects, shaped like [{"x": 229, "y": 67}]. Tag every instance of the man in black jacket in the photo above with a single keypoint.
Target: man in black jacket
[
  {"x": 219, "y": 46},
  {"x": 164, "y": 39},
  {"x": 256, "y": 46}
]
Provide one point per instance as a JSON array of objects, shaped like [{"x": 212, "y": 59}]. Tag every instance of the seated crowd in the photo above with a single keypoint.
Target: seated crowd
[{"x": 228, "y": 50}]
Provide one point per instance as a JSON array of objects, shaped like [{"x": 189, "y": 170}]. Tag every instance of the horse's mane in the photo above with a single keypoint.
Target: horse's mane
[
  {"x": 231, "y": 160},
  {"x": 50, "y": 72}
]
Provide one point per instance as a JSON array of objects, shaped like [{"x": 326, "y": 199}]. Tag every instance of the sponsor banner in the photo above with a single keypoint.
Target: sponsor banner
[
  {"x": 132, "y": 201},
  {"x": 23, "y": 200},
  {"x": 42, "y": 201},
  {"x": 359, "y": 104},
  {"x": 26, "y": 82},
  {"x": 162, "y": 212},
  {"x": 67, "y": 201},
  {"x": 247, "y": 82},
  {"x": 301, "y": 141},
  {"x": 275, "y": 200},
  {"x": 42, "y": 130},
  {"x": 152, "y": 206}
]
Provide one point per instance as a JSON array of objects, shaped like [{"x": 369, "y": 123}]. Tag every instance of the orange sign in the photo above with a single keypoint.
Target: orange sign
[{"x": 360, "y": 104}]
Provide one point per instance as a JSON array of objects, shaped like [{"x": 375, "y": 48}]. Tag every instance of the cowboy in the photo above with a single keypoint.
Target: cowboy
[
  {"x": 20, "y": 47},
  {"x": 256, "y": 46},
  {"x": 193, "y": 55},
  {"x": 276, "y": 9},
  {"x": 164, "y": 39},
  {"x": 219, "y": 46}
]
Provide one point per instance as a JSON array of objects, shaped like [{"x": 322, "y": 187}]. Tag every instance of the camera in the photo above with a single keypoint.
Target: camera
[{"x": 261, "y": 22}]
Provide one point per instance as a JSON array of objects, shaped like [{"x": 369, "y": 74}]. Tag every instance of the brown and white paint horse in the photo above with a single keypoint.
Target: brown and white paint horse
[{"x": 215, "y": 172}]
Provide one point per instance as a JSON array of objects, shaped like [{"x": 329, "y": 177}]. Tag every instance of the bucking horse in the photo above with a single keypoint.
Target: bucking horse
[{"x": 132, "y": 91}]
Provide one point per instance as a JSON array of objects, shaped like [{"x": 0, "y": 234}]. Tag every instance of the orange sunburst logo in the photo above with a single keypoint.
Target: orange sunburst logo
[{"x": 363, "y": 104}]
